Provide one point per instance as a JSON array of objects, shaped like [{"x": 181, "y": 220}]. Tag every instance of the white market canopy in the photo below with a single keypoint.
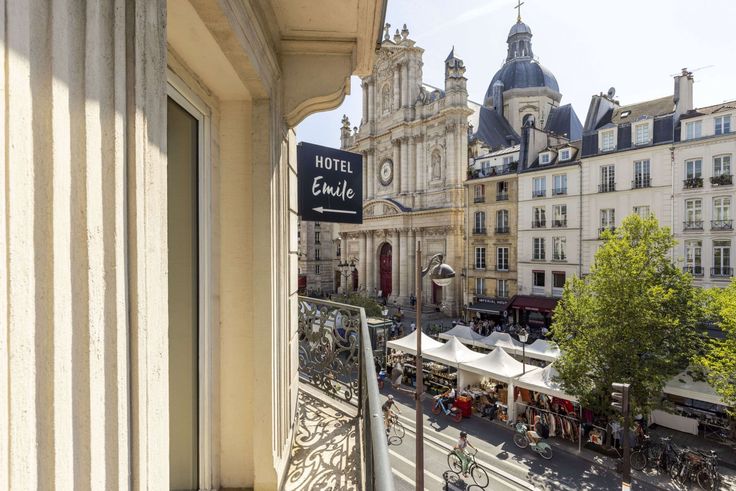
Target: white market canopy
[
  {"x": 452, "y": 353},
  {"x": 684, "y": 386},
  {"x": 543, "y": 350},
  {"x": 543, "y": 381},
  {"x": 408, "y": 343},
  {"x": 500, "y": 340},
  {"x": 463, "y": 332},
  {"x": 497, "y": 365}
]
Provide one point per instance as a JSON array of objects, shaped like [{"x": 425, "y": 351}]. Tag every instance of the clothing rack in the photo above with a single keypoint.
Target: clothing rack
[{"x": 560, "y": 425}]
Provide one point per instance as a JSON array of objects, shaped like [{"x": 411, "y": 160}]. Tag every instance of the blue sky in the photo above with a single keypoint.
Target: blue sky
[{"x": 635, "y": 46}]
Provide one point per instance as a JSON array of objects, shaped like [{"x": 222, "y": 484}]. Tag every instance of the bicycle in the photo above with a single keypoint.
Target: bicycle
[
  {"x": 522, "y": 441},
  {"x": 395, "y": 425},
  {"x": 448, "y": 409},
  {"x": 647, "y": 454},
  {"x": 707, "y": 474},
  {"x": 476, "y": 471}
]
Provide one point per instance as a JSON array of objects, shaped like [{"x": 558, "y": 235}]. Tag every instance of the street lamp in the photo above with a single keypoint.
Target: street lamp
[
  {"x": 442, "y": 275},
  {"x": 346, "y": 267},
  {"x": 523, "y": 336},
  {"x": 384, "y": 313}
]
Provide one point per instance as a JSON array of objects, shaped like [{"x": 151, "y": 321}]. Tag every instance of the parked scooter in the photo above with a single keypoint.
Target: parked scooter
[
  {"x": 522, "y": 441},
  {"x": 448, "y": 409}
]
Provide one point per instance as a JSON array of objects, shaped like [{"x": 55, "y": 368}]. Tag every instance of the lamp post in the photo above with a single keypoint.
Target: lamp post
[
  {"x": 346, "y": 267},
  {"x": 523, "y": 336},
  {"x": 384, "y": 313},
  {"x": 441, "y": 274}
]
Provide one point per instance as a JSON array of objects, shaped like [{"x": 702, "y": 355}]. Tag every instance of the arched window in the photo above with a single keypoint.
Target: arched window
[
  {"x": 386, "y": 99},
  {"x": 527, "y": 117},
  {"x": 480, "y": 222},
  {"x": 436, "y": 163}
]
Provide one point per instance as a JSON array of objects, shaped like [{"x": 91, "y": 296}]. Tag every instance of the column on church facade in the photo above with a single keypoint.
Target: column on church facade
[
  {"x": 366, "y": 166},
  {"x": 397, "y": 87},
  {"x": 371, "y": 175},
  {"x": 404, "y": 174},
  {"x": 361, "y": 259},
  {"x": 420, "y": 185},
  {"x": 451, "y": 163},
  {"x": 365, "y": 101},
  {"x": 395, "y": 251},
  {"x": 412, "y": 166},
  {"x": 371, "y": 100},
  {"x": 404, "y": 266},
  {"x": 370, "y": 263},
  {"x": 404, "y": 85},
  {"x": 397, "y": 165},
  {"x": 411, "y": 247}
]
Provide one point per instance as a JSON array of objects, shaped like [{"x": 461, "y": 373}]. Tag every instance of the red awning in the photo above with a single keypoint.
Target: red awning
[{"x": 534, "y": 304}]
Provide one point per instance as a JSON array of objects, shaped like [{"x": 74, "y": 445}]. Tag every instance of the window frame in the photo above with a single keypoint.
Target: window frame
[
  {"x": 536, "y": 274},
  {"x": 720, "y": 159},
  {"x": 725, "y": 121},
  {"x": 691, "y": 163},
  {"x": 502, "y": 258},
  {"x": 603, "y": 134},
  {"x": 639, "y": 126},
  {"x": 559, "y": 248},
  {"x": 538, "y": 249},
  {"x": 690, "y": 130},
  {"x": 480, "y": 257}
]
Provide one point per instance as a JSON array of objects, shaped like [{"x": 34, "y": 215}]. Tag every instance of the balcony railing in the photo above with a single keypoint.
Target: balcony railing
[
  {"x": 537, "y": 290},
  {"x": 693, "y": 270},
  {"x": 559, "y": 223},
  {"x": 336, "y": 357},
  {"x": 692, "y": 183},
  {"x": 479, "y": 231},
  {"x": 723, "y": 225},
  {"x": 559, "y": 191},
  {"x": 479, "y": 199},
  {"x": 607, "y": 187},
  {"x": 498, "y": 170},
  {"x": 539, "y": 193},
  {"x": 641, "y": 182},
  {"x": 502, "y": 196},
  {"x": 603, "y": 230},
  {"x": 539, "y": 224},
  {"x": 722, "y": 180},
  {"x": 721, "y": 272},
  {"x": 693, "y": 225},
  {"x": 502, "y": 230}
]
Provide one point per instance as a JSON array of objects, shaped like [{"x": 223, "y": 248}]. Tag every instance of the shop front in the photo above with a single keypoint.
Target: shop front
[
  {"x": 490, "y": 308},
  {"x": 532, "y": 311}
]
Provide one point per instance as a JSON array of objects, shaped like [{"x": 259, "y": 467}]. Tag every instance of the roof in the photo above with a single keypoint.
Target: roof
[
  {"x": 521, "y": 73},
  {"x": 461, "y": 331},
  {"x": 451, "y": 353},
  {"x": 494, "y": 130},
  {"x": 574, "y": 156},
  {"x": 498, "y": 365},
  {"x": 702, "y": 111},
  {"x": 409, "y": 343},
  {"x": 544, "y": 381},
  {"x": 519, "y": 28},
  {"x": 684, "y": 385},
  {"x": 653, "y": 108},
  {"x": 533, "y": 303},
  {"x": 563, "y": 121},
  {"x": 500, "y": 340}
]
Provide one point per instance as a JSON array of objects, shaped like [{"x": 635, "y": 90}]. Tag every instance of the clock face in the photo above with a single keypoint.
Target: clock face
[{"x": 386, "y": 172}]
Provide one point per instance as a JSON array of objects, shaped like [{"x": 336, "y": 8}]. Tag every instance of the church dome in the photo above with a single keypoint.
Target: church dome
[
  {"x": 521, "y": 73},
  {"x": 519, "y": 28}
]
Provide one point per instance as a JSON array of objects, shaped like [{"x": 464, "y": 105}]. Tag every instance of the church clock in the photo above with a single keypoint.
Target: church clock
[{"x": 386, "y": 172}]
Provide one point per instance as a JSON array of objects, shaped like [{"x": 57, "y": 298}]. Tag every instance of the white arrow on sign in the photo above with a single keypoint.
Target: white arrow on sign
[{"x": 321, "y": 209}]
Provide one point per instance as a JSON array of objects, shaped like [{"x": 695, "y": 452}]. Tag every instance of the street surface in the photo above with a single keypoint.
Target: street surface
[{"x": 509, "y": 467}]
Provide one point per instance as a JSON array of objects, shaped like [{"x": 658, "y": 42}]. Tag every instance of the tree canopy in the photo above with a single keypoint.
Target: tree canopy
[
  {"x": 634, "y": 319},
  {"x": 372, "y": 308},
  {"x": 719, "y": 358}
]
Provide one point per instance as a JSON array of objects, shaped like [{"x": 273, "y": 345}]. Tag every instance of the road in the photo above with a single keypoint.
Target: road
[{"x": 510, "y": 468}]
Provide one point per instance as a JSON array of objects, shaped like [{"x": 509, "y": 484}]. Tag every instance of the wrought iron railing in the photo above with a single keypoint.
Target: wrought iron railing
[
  {"x": 336, "y": 357},
  {"x": 721, "y": 225}
]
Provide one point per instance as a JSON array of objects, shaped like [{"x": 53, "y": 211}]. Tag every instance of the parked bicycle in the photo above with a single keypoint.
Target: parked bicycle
[
  {"x": 646, "y": 455},
  {"x": 475, "y": 470},
  {"x": 522, "y": 441},
  {"x": 448, "y": 409}
]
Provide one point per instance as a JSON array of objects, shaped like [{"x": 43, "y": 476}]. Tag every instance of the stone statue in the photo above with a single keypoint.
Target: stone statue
[
  {"x": 385, "y": 99},
  {"x": 436, "y": 159}
]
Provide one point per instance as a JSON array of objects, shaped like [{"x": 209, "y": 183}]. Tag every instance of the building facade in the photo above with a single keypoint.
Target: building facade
[
  {"x": 318, "y": 258},
  {"x": 414, "y": 141},
  {"x": 148, "y": 235}
]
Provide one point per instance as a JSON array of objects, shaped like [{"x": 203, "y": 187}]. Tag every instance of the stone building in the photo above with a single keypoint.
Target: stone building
[
  {"x": 148, "y": 231},
  {"x": 317, "y": 258},
  {"x": 415, "y": 146}
]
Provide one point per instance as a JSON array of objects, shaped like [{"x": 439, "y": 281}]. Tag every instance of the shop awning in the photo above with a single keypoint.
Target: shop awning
[
  {"x": 543, "y": 381},
  {"x": 463, "y": 332},
  {"x": 408, "y": 343},
  {"x": 497, "y": 365},
  {"x": 684, "y": 386},
  {"x": 452, "y": 353},
  {"x": 532, "y": 303},
  {"x": 543, "y": 350},
  {"x": 495, "y": 306},
  {"x": 500, "y": 340}
]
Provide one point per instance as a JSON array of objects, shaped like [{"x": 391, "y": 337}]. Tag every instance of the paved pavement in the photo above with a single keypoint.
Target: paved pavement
[{"x": 510, "y": 468}]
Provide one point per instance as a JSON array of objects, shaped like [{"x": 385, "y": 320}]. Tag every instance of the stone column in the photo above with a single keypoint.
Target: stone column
[
  {"x": 411, "y": 177},
  {"x": 365, "y": 102},
  {"x": 366, "y": 167},
  {"x": 451, "y": 163},
  {"x": 361, "y": 260},
  {"x": 370, "y": 176},
  {"x": 404, "y": 85},
  {"x": 411, "y": 247},
  {"x": 404, "y": 174},
  {"x": 397, "y": 165},
  {"x": 371, "y": 101},
  {"x": 370, "y": 260},
  {"x": 397, "y": 88},
  {"x": 395, "y": 251},
  {"x": 404, "y": 267},
  {"x": 419, "y": 171}
]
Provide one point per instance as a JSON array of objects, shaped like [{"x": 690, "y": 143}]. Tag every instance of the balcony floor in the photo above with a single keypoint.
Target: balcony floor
[{"x": 326, "y": 453}]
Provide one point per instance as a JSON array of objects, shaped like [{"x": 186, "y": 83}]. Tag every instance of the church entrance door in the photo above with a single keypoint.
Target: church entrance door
[{"x": 385, "y": 263}]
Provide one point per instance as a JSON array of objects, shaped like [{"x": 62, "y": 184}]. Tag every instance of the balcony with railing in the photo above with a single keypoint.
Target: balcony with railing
[
  {"x": 340, "y": 441},
  {"x": 641, "y": 182},
  {"x": 502, "y": 196},
  {"x": 692, "y": 183},
  {"x": 539, "y": 193},
  {"x": 607, "y": 187},
  {"x": 539, "y": 223},
  {"x": 721, "y": 272},
  {"x": 603, "y": 230},
  {"x": 559, "y": 191},
  {"x": 479, "y": 231},
  {"x": 721, "y": 225},
  {"x": 559, "y": 223},
  {"x": 479, "y": 199},
  {"x": 497, "y": 170},
  {"x": 503, "y": 229},
  {"x": 693, "y": 270},
  {"x": 692, "y": 225},
  {"x": 721, "y": 180}
]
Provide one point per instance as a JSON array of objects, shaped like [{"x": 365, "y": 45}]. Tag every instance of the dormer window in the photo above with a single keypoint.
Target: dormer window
[
  {"x": 608, "y": 140},
  {"x": 564, "y": 154},
  {"x": 642, "y": 134},
  {"x": 723, "y": 125},
  {"x": 545, "y": 158},
  {"x": 693, "y": 130},
  {"x": 625, "y": 114}
]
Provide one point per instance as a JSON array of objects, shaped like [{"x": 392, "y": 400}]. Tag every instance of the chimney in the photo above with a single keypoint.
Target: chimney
[{"x": 683, "y": 97}]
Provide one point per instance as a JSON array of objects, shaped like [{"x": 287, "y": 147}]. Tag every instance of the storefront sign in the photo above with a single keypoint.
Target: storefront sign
[{"x": 330, "y": 184}]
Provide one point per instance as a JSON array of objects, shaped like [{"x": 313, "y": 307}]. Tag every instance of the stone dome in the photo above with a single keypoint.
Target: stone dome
[
  {"x": 521, "y": 73},
  {"x": 519, "y": 28}
]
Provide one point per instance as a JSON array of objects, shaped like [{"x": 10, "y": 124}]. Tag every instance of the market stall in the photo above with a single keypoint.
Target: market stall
[
  {"x": 462, "y": 332},
  {"x": 452, "y": 353},
  {"x": 408, "y": 343},
  {"x": 539, "y": 392},
  {"x": 491, "y": 379},
  {"x": 500, "y": 340},
  {"x": 542, "y": 350}
]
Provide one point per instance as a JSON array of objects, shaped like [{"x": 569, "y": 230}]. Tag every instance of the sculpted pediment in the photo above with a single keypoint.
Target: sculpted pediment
[{"x": 380, "y": 208}]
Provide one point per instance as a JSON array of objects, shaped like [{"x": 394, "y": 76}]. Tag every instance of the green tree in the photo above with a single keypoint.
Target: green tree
[
  {"x": 635, "y": 318},
  {"x": 372, "y": 308},
  {"x": 719, "y": 358}
]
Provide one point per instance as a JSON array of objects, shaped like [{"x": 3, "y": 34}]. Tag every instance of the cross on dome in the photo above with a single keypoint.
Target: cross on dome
[{"x": 518, "y": 8}]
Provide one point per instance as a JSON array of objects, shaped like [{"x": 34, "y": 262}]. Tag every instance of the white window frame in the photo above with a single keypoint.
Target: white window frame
[
  {"x": 642, "y": 173},
  {"x": 502, "y": 258},
  {"x": 641, "y": 138},
  {"x": 694, "y": 210},
  {"x": 693, "y": 130},
  {"x": 565, "y": 154},
  {"x": 693, "y": 168},
  {"x": 545, "y": 158},
  {"x": 725, "y": 124},
  {"x": 723, "y": 246},
  {"x": 693, "y": 253},
  {"x": 557, "y": 290},
  {"x": 642, "y": 210},
  {"x": 539, "y": 216},
  {"x": 722, "y": 208},
  {"x": 479, "y": 191},
  {"x": 538, "y": 253},
  {"x": 534, "y": 278},
  {"x": 608, "y": 176},
  {"x": 559, "y": 249},
  {"x": 480, "y": 258},
  {"x": 480, "y": 285},
  {"x": 559, "y": 184},
  {"x": 502, "y": 219},
  {"x": 608, "y": 217},
  {"x": 480, "y": 220},
  {"x": 559, "y": 216},
  {"x": 539, "y": 186},
  {"x": 722, "y": 165},
  {"x": 604, "y": 135},
  {"x": 502, "y": 288}
]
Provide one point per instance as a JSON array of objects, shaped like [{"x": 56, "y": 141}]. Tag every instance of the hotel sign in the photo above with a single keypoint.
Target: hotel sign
[{"x": 330, "y": 184}]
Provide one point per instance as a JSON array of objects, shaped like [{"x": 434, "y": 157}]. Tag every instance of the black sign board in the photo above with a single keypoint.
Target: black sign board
[{"x": 330, "y": 184}]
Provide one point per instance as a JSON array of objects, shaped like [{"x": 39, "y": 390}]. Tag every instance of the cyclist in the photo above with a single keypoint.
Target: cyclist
[
  {"x": 387, "y": 412},
  {"x": 460, "y": 451},
  {"x": 448, "y": 396},
  {"x": 538, "y": 431}
]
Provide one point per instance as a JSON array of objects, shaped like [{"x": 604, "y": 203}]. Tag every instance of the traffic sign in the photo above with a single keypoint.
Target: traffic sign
[{"x": 330, "y": 184}]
